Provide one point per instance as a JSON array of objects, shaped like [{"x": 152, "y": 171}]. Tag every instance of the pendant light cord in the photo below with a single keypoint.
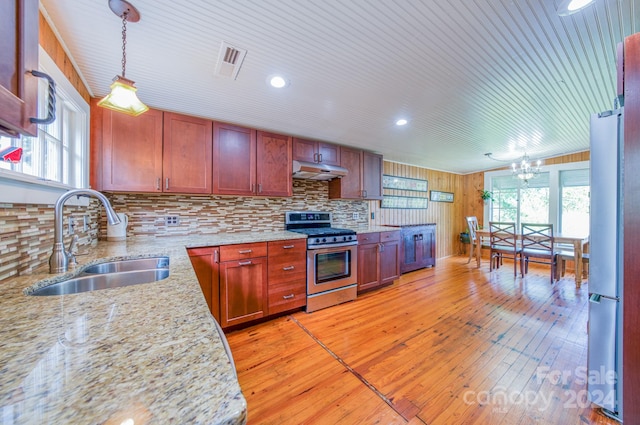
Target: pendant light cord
[{"x": 124, "y": 42}]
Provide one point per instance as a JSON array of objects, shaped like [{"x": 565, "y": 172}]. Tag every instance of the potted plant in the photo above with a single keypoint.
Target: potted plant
[
  {"x": 464, "y": 236},
  {"x": 486, "y": 195}
]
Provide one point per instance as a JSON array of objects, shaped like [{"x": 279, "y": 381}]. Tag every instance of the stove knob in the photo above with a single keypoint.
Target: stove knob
[
  {"x": 324, "y": 240},
  {"x": 335, "y": 239},
  {"x": 317, "y": 240},
  {"x": 348, "y": 238}
]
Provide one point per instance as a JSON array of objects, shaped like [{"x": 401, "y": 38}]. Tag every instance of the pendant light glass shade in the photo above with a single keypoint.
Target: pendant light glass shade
[{"x": 123, "y": 98}]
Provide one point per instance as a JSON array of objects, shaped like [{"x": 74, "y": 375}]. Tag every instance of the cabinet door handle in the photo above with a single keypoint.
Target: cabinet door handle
[
  {"x": 158, "y": 183},
  {"x": 244, "y": 263},
  {"x": 51, "y": 100},
  {"x": 364, "y": 193},
  {"x": 245, "y": 251},
  {"x": 288, "y": 297},
  {"x": 215, "y": 256},
  {"x": 288, "y": 246},
  {"x": 319, "y": 157},
  {"x": 420, "y": 236},
  {"x": 259, "y": 187},
  {"x": 381, "y": 247},
  {"x": 166, "y": 183},
  {"x": 288, "y": 268}
]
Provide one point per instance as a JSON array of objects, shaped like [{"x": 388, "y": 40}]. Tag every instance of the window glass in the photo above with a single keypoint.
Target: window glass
[
  {"x": 559, "y": 196},
  {"x": 574, "y": 195},
  {"x": 520, "y": 202}
]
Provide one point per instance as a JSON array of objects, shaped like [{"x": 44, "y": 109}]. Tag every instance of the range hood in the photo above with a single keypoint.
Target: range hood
[{"x": 314, "y": 171}]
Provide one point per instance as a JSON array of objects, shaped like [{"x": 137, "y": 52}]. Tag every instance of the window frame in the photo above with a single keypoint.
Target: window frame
[
  {"x": 20, "y": 188},
  {"x": 554, "y": 188}
]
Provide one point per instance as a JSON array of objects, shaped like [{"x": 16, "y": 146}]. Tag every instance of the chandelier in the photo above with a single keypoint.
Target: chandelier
[{"x": 525, "y": 170}]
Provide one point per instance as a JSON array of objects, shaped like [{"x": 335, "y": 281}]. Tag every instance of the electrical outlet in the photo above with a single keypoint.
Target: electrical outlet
[
  {"x": 356, "y": 216},
  {"x": 71, "y": 225},
  {"x": 172, "y": 220}
]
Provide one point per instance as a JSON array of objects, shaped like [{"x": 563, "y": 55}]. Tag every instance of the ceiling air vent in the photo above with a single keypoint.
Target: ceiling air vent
[{"x": 229, "y": 60}]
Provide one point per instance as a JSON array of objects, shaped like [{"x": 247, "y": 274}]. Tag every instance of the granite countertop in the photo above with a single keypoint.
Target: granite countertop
[
  {"x": 374, "y": 229},
  {"x": 149, "y": 352}
]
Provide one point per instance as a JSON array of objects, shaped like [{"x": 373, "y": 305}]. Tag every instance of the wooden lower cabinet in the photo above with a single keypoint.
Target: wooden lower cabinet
[
  {"x": 243, "y": 290},
  {"x": 287, "y": 275},
  {"x": 206, "y": 265},
  {"x": 378, "y": 259},
  {"x": 389, "y": 257},
  {"x": 418, "y": 247},
  {"x": 245, "y": 282}
]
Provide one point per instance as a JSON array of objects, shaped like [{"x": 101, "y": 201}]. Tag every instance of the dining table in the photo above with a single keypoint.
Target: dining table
[{"x": 577, "y": 241}]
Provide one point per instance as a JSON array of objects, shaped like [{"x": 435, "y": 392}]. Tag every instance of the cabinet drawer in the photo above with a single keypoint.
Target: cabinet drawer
[
  {"x": 242, "y": 251},
  {"x": 366, "y": 238},
  {"x": 390, "y": 236},
  {"x": 289, "y": 248},
  {"x": 285, "y": 271},
  {"x": 287, "y": 296}
]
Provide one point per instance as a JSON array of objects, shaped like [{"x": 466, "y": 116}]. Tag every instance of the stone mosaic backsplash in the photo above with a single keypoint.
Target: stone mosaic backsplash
[
  {"x": 26, "y": 234},
  {"x": 199, "y": 214},
  {"x": 26, "y": 231}
]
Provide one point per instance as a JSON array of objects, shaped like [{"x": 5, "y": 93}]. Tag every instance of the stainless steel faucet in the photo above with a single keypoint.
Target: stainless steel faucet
[{"x": 59, "y": 260}]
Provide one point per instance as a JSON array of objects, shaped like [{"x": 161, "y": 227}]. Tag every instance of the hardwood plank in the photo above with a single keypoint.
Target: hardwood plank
[{"x": 448, "y": 345}]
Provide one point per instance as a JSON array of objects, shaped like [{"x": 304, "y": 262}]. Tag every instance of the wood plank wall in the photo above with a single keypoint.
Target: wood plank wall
[
  {"x": 631, "y": 291},
  {"x": 52, "y": 46},
  {"x": 449, "y": 217}
]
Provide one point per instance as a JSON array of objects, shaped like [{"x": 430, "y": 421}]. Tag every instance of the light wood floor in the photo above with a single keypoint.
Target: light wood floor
[{"x": 449, "y": 345}]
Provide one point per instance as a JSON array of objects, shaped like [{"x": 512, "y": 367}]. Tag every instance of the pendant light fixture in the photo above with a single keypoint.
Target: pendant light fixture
[{"x": 123, "y": 96}]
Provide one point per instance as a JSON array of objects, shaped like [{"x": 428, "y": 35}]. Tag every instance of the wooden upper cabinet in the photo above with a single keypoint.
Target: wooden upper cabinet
[
  {"x": 18, "y": 56},
  {"x": 349, "y": 186},
  {"x": 273, "y": 172},
  {"x": 234, "y": 160},
  {"x": 187, "y": 154},
  {"x": 364, "y": 180},
  {"x": 315, "y": 151},
  {"x": 131, "y": 159}
]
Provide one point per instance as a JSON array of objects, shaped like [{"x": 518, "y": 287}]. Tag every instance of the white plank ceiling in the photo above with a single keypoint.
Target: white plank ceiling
[{"x": 471, "y": 76}]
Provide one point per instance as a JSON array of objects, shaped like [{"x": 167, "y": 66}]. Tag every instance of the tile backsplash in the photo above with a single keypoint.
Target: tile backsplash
[
  {"x": 214, "y": 214},
  {"x": 26, "y": 231}
]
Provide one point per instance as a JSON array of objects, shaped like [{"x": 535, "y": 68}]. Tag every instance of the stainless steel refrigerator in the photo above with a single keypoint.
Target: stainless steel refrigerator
[{"x": 604, "y": 384}]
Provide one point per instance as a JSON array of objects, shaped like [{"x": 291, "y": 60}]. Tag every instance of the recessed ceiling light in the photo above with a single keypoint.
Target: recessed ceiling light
[
  {"x": 277, "y": 81},
  {"x": 569, "y": 7},
  {"x": 401, "y": 121}
]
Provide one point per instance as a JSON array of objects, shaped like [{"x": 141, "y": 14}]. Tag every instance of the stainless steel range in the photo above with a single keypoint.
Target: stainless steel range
[{"x": 332, "y": 254}]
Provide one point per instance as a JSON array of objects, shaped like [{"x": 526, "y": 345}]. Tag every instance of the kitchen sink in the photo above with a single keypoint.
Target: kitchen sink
[
  {"x": 112, "y": 274},
  {"x": 128, "y": 265},
  {"x": 93, "y": 282}
]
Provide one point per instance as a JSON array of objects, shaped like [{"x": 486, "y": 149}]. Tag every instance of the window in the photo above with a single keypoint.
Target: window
[
  {"x": 513, "y": 200},
  {"x": 57, "y": 158},
  {"x": 574, "y": 200},
  {"x": 559, "y": 195}
]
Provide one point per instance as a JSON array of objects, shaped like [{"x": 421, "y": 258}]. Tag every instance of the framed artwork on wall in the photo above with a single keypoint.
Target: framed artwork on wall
[
  {"x": 404, "y": 202},
  {"x": 438, "y": 196},
  {"x": 404, "y": 183}
]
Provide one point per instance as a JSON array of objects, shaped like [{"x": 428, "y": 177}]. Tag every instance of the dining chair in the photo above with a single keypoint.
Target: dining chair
[
  {"x": 472, "y": 225},
  {"x": 537, "y": 247},
  {"x": 504, "y": 244}
]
